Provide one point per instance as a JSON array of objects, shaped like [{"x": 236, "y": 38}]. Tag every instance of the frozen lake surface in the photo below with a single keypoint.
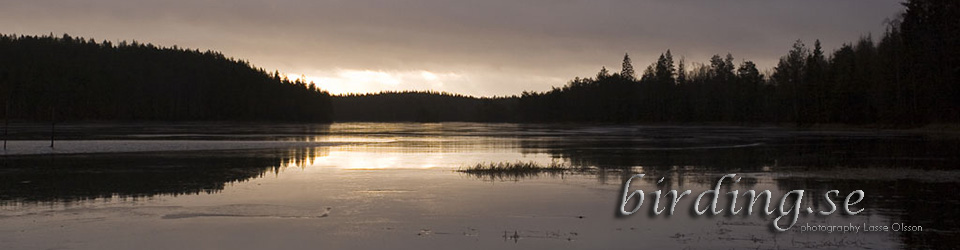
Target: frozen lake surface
[{"x": 387, "y": 186}]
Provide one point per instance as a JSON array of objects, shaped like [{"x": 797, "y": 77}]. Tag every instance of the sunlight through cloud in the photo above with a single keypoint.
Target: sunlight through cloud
[{"x": 342, "y": 81}]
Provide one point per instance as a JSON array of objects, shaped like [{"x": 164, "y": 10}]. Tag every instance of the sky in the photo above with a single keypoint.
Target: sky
[{"x": 479, "y": 48}]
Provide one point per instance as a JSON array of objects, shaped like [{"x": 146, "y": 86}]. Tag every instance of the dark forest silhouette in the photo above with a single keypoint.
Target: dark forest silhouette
[
  {"x": 80, "y": 79},
  {"x": 909, "y": 77},
  {"x": 424, "y": 106}
]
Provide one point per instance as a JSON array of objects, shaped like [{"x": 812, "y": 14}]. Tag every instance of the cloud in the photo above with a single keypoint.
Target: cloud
[
  {"x": 494, "y": 47},
  {"x": 476, "y": 83}
]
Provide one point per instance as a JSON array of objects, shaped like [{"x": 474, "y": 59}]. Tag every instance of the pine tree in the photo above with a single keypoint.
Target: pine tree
[
  {"x": 664, "y": 70},
  {"x": 681, "y": 72},
  {"x": 789, "y": 76},
  {"x": 603, "y": 74},
  {"x": 627, "y": 70}
]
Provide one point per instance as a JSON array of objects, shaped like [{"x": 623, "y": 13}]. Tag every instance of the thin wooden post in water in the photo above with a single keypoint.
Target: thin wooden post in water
[
  {"x": 53, "y": 120},
  {"x": 6, "y": 124}
]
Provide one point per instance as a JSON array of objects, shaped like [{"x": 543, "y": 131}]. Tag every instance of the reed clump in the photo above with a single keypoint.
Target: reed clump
[{"x": 515, "y": 168}]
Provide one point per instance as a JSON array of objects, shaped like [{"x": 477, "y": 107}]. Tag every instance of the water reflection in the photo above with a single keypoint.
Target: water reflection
[
  {"x": 907, "y": 177},
  {"x": 71, "y": 178}
]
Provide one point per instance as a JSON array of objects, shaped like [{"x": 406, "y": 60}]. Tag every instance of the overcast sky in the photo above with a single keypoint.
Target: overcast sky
[{"x": 483, "y": 47}]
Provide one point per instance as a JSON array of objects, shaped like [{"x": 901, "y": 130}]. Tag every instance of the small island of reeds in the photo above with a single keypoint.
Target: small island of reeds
[{"x": 514, "y": 170}]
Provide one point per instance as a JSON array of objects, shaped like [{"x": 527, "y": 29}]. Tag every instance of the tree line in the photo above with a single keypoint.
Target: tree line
[
  {"x": 72, "y": 78},
  {"x": 909, "y": 77},
  {"x": 423, "y": 106}
]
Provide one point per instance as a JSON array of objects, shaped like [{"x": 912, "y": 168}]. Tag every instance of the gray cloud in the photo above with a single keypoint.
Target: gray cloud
[{"x": 502, "y": 46}]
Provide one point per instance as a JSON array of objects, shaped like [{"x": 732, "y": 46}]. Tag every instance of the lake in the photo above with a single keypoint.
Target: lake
[{"x": 396, "y": 185}]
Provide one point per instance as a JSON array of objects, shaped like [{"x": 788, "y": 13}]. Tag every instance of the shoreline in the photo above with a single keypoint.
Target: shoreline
[{"x": 64, "y": 147}]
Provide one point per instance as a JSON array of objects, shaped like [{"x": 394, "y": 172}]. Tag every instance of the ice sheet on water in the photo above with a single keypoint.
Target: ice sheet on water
[{"x": 249, "y": 210}]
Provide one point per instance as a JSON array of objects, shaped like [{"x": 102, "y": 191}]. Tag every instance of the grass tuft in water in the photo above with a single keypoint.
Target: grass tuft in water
[{"x": 515, "y": 167}]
